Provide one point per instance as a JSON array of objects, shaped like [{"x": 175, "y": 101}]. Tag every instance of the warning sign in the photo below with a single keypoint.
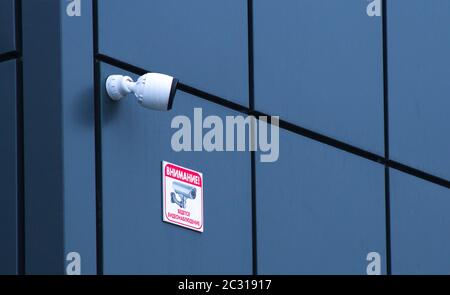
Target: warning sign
[{"x": 182, "y": 196}]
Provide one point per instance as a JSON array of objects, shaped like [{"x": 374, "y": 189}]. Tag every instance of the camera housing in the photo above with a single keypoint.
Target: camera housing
[{"x": 153, "y": 90}]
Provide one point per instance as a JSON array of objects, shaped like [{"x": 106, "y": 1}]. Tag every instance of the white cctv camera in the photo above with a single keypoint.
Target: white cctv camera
[
  {"x": 184, "y": 192},
  {"x": 153, "y": 91}
]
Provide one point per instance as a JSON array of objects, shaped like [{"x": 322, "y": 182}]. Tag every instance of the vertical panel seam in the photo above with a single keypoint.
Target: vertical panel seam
[
  {"x": 62, "y": 165},
  {"x": 251, "y": 98},
  {"x": 98, "y": 144},
  {"x": 20, "y": 142},
  {"x": 386, "y": 137}
]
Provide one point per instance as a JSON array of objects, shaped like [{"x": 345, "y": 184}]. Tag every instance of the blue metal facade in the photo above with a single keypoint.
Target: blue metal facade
[
  {"x": 9, "y": 144},
  {"x": 364, "y": 157}
]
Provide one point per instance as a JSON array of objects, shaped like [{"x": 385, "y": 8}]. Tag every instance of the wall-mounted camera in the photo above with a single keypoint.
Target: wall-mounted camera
[{"x": 153, "y": 91}]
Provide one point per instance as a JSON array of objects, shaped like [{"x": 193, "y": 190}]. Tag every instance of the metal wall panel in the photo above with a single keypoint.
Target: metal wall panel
[
  {"x": 318, "y": 64},
  {"x": 419, "y": 64},
  {"x": 420, "y": 223},
  {"x": 135, "y": 141},
  {"x": 7, "y": 26},
  {"x": 203, "y": 43},
  {"x": 59, "y": 137},
  {"x": 8, "y": 169},
  {"x": 319, "y": 210}
]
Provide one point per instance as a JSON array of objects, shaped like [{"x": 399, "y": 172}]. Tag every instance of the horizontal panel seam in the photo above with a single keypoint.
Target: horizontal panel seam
[
  {"x": 8, "y": 56},
  {"x": 285, "y": 125}
]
